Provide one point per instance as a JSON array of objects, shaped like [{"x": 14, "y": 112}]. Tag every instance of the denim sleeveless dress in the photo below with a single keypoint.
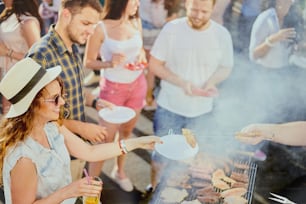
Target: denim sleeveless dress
[{"x": 52, "y": 165}]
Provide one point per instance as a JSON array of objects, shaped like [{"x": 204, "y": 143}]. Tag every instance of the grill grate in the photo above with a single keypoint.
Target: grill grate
[
  {"x": 251, "y": 187},
  {"x": 251, "y": 172}
]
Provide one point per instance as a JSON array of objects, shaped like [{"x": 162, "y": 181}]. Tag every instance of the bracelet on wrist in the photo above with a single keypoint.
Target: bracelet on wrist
[
  {"x": 94, "y": 103},
  {"x": 269, "y": 43},
  {"x": 122, "y": 147}
]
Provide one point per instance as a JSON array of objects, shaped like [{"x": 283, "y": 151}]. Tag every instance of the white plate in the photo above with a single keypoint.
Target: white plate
[
  {"x": 175, "y": 147},
  {"x": 117, "y": 115}
]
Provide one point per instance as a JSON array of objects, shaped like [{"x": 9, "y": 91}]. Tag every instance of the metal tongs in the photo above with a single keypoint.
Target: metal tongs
[{"x": 280, "y": 199}]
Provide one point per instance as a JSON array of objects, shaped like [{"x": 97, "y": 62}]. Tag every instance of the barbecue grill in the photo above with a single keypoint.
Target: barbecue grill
[{"x": 192, "y": 195}]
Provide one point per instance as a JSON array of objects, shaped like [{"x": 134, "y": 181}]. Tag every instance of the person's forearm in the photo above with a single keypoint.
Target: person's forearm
[
  {"x": 98, "y": 64},
  {"x": 173, "y": 78},
  {"x": 150, "y": 81},
  {"x": 89, "y": 98},
  {"x": 108, "y": 150},
  {"x": 99, "y": 152},
  {"x": 18, "y": 55},
  {"x": 262, "y": 49},
  {"x": 151, "y": 84},
  {"x": 220, "y": 75},
  {"x": 165, "y": 73},
  {"x": 14, "y": 55},
  {"x": 56, "y": 197},
  {"x": 74, "y": 126},
  {"x": 91, "y": 153},
  {"x": 293, "y": 133}
]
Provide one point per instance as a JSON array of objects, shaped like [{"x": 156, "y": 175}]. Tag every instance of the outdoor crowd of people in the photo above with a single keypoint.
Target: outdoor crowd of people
[{"x": 171, "y": 55}]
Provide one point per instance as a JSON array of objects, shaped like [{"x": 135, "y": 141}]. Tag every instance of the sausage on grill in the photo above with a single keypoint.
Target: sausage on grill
[
  {"x": 240, "y": 177},
  {"x": 208, "y": 199},
  {"x": 233, "y": 192},
  {"x": 207, "y": 190}
]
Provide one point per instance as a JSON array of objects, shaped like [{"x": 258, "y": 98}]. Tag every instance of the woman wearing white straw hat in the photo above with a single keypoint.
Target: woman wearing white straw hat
[{"x": 35, "y": 148}]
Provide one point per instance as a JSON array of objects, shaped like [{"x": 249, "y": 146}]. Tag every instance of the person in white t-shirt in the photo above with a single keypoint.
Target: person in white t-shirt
[
  {"x": 191, "y": 56},
  {"x": 272, "y": 42}
]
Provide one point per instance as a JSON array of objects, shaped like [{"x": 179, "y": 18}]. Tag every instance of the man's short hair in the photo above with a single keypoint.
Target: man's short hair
[{"x": 76, "y": 5}]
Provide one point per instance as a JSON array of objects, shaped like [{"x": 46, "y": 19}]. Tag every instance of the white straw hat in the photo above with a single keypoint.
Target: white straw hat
[{"x": 22, "y": 82}]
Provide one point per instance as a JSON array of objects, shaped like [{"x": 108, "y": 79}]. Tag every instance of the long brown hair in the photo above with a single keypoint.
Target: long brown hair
[
  {"x": 22, "y": 7},
  {"x": 114, "y": 9},
  {"x": 17, "y": 129}
]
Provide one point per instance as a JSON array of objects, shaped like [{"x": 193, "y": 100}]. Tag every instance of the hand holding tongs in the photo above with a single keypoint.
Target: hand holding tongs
[{"x": 280, "y": 199}]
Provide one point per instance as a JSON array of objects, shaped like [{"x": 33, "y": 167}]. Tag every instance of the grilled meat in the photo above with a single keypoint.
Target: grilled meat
[
  {"x": 234, "y": 192},
  {"x": 235, "y": 200},
  {"x": 240, "y": 177}
]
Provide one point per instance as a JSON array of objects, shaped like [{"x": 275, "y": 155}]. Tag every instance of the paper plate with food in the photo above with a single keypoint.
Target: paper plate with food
[{"x": 178, "y": 146}]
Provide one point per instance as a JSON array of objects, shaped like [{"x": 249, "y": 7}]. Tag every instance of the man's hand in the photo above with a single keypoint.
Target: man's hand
[
  {"x": 94, "y": 133},
  {"x": 206, "y": 92},
  {"x": 287, "y": 34},
  {"x": 254, "y": 134},
  {"x": 104, "y": 104}
]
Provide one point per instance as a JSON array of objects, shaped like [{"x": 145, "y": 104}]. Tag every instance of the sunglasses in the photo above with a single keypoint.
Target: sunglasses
[{"x": 55, "y": 100}]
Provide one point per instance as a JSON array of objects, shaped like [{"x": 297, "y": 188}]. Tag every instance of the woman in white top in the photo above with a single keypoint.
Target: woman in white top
[
  {"x": 118, "y": 41},
  {"x": 270, "y": 41},
  {"x": 271, "y": 44},
  {"x": 20, "y": 28}
]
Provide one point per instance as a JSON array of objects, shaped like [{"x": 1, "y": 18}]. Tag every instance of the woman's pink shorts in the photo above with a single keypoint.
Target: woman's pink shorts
[{"x": 131, "y": 95}]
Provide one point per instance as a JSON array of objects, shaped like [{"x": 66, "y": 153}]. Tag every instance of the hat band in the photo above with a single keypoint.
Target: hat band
[{"x": 29, "y": 86}]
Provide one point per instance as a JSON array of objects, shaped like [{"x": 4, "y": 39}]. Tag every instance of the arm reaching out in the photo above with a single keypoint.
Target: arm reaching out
[{"x": 292, "y": 133}]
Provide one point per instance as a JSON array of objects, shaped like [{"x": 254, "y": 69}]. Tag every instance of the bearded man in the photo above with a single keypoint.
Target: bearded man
[{"x": 191, "y": 56}]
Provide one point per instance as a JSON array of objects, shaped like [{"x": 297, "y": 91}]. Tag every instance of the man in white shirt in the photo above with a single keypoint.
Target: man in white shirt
[{"x": 191, "y": 56}]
